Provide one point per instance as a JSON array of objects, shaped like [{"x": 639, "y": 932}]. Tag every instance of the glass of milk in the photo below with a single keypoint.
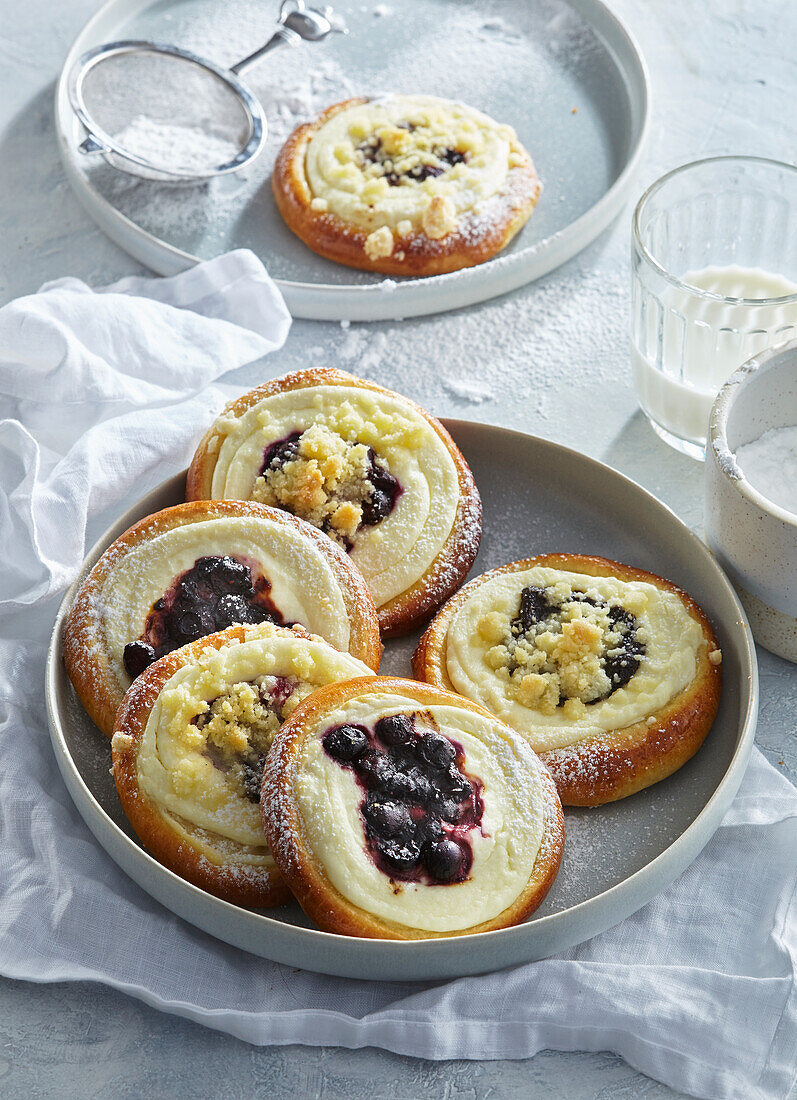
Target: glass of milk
[{"x": 713, "y": 282}]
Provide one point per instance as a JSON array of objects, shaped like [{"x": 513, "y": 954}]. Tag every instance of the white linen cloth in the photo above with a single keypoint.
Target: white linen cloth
[{"x": 104, "y": 393}]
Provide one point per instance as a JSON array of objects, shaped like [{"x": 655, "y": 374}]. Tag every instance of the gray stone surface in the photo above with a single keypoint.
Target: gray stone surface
[{"x": 549, "y": 359}]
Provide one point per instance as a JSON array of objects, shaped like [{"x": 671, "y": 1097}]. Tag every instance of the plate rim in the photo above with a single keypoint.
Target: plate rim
[
  {"x": 418, "y": 960},
  {"x": 409, "y": 297}
]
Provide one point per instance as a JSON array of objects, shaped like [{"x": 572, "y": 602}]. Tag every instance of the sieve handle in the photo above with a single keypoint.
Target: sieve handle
[{"x": 281, "y": 35}]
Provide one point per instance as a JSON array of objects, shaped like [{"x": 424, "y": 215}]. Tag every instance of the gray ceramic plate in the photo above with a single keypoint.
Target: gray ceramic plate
[
  {"x": 565, "y": 73},
  {"x": 537, "y": 497}
]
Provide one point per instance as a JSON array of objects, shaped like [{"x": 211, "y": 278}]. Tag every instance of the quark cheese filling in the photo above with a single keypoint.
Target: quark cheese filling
[
  {"x": 406, "y": 164},
  {"x": 202, "y": 752},
  {"x": 394, "y": 552},
  {"x": 564, "y": 656},
  {"x": 504, "y": 846}
]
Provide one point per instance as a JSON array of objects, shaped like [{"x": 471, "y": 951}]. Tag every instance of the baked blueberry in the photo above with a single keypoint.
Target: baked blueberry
[
  {"x": 401, "y": 855},
  {"x": 284, "y": 450},
  {"x": 534, "y": 607},
  {"x": 137, "y": 656},
  {"x": 444, "y": 860},
  {"x": 436, "y": 750},
  {"x": 395, "y": 729},
  {"x": 386, "y": 818},
  {"x": 345, "y": 743}
]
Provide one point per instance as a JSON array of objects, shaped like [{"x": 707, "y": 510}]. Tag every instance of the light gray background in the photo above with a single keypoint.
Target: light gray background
[{"x": 549, "y": 359}]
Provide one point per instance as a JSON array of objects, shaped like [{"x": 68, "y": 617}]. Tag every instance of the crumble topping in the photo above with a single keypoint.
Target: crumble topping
[
  {"x": 235, "y": 731},
  {"x": 379, "y": 244},
  {"x": 333, "y": 483},
  {"x": 439, "y": 218},
  {"x": 564, "y": 648},
  {"x": 715, "y": 657}
]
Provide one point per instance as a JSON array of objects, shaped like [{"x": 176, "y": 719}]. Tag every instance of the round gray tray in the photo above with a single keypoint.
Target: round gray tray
[
  {"x": 537, "y": 497},
  {"x": 566, "y": 74}
]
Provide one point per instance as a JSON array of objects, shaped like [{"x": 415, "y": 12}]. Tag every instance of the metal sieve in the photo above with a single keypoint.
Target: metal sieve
[{"x": 214, "y": 96}]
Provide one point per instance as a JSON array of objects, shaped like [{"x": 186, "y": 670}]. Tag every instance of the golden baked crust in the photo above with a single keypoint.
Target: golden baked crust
[
  {"x": 188, "y": 851},
  {"x": 86, "y": 651},
  {"x": 470, "y": 240},
  {"x": 445, "y": 574},
  {"x": 603, "y": 769},
  {"x": 288, "y": 841}
]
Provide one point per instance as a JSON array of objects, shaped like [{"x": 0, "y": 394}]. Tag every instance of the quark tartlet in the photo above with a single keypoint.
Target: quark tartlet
[
  {"x": 398, "y": 811},
  {"x": 611, "y": 673},
  {"x": 190, "y": 743},
  {"x": 405, "y": 185},
  {"x": 370, "y": 468}
]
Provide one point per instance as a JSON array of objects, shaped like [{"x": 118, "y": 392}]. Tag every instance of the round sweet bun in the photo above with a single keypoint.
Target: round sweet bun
[
  {"x": 405, "y": 185},
  {"x": 189, "y": 744},
  {"x": 621, "y": 688},
  {"x": 196, "y": 568},
  {"x": 373, "y": 469},
  {"x": 431, "y": 819}
]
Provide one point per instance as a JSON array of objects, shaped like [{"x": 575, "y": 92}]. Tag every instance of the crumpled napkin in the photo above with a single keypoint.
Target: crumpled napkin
[{"x": 102, "y": 392}]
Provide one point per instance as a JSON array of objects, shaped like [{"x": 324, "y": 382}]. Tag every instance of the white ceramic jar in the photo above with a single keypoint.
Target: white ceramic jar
[{"x": 754, "y": 538}]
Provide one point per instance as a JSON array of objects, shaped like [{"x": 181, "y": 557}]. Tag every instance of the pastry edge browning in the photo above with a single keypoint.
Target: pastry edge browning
[
  {"x": 322, "y": 902},
  {"x": 344, "y": 243},
  {"x": 621, "y": 762},
  {"x": 452, "y": 564},
  {"x": 94, "y": 679},
  {"x": 243, "y": 885}
]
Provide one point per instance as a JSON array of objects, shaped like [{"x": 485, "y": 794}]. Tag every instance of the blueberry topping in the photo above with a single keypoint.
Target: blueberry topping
[
  {"x": 621, "y": 667},
  {"x": 534, "y": 607},
  {"x": 622, "y": 661},
  {"x": 212, "y": 595},
  {"x": 396, "y": 729},
  {"x": 456, "y": 785},
  {"x": 374, "y": 152},
  {"x": 232, "y": 609},
  {"x": 253, "y": 776},
  {"x": 418, "y": 805},
  {"x": 449, "y": 810},
  {"x": 346, "y": 743},
  {"x": 444, "y": 860},
  {"x": 136, "y": 657},
  {"x": 437, "y": 751},
  {"x": 411, "y": 785},
  {"x": 385, "y": 493},
  {"x": 284, "y": 450},
  {"x": 430, "y": 829}
]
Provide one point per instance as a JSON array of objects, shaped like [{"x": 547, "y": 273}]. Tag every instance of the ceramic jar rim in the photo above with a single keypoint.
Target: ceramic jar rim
[{"x": 718, "y": 423}]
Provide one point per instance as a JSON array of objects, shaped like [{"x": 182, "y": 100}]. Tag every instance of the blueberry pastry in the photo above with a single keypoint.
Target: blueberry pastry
[
  {"x": 195, "y": 569},
  {"x": 405, "y": 184},
  {"x": 381, "y": 477},
  {"x": 611, "y": 673},
  {"x": 399, "y": 811},
  {"x": 189, "y": 745}
]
